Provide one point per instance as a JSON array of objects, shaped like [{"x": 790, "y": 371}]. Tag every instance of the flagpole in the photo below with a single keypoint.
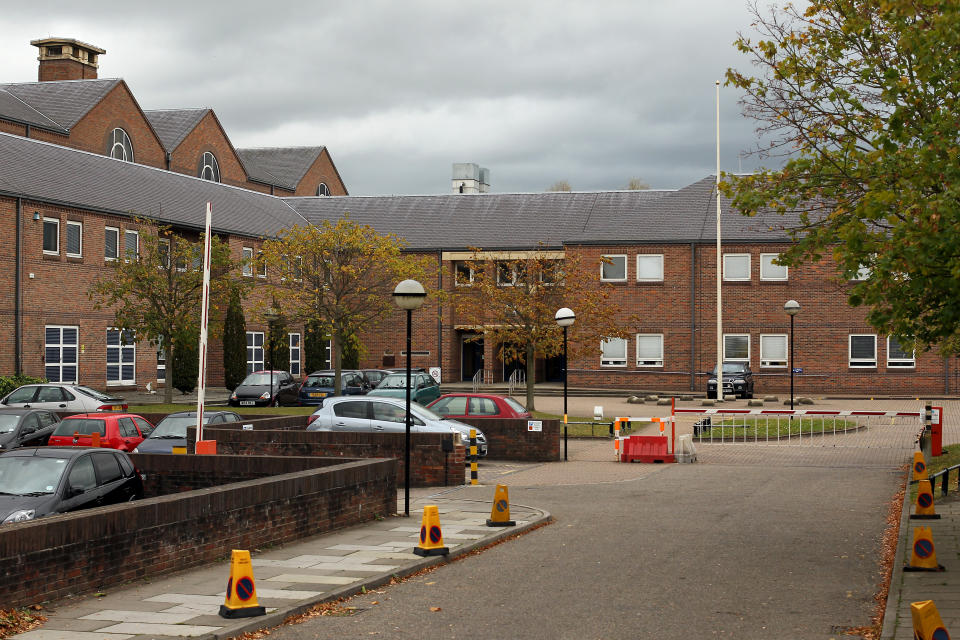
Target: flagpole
[
  {"x": 204, "y": 317},
  {"x": 719, "y": 266}
]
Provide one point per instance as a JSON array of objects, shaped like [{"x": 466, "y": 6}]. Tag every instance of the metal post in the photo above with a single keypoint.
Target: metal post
[
  {"x": 406, "y": 452},
  {"x": 270, "y": 368},
  {"x": 791, "y": 364},
  {"x": 564, "y": 394}
]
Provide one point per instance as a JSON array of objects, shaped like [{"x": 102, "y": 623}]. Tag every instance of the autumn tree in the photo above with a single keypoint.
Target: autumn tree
[
  {"x": 156, "y": 290},
  {"x": 861, "y": 100},
  {"x": 338, "y": 275},
  {"x": 515, "y": 296},
  {"x": 234, "y": 343},
  {"x": 636, "y": 184},
  {"x": 560, "y": 185}
]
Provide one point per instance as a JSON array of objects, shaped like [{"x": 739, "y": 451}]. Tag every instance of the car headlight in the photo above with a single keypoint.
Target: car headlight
[
  {"x": 265, "y": 395},
  {"x": 20, "y": 516}
]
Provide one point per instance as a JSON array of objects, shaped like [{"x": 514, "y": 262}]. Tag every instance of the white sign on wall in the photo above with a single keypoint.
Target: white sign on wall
[
  {"x": 534, "y": 425},
  {"x": 435, "y": 374}
]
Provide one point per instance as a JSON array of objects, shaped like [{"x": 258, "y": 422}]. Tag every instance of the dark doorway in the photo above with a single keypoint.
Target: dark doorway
[
  {"x": 471, "y": 357},
  {"x": 553, "y": 368},
  {"x": 513, "y": 365}
]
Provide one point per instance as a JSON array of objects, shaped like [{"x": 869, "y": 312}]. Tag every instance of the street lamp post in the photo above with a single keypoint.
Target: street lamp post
[
  {"x": 271, "y": 315},
  {"x": 408, "y": 295},
  {"x": 792, "y": 308},
  {"x": 565, "y": 318}
]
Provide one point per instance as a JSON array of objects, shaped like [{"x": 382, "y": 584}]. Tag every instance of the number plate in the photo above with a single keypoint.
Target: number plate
[
  {"x": 318, "y": 395},
  {"x": 247, "y": 403}
]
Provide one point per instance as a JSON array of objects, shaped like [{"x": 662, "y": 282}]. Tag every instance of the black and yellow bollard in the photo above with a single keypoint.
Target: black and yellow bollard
[
  {"x": 919, "y": 467},
  {"x": 241, "y": 597},
  {"x": 924, "y": 508},
  {"x": 500, "y": 513},
  {"x": 431, "y": 537},
  {"x": 473, "y": 457},
  {"x": 927, "y": 624},
  {"x": 923, "y": 556}
]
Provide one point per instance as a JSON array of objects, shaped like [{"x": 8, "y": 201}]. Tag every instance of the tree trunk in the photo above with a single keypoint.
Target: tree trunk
[
  {"x": 168, "y": 375},
  {"x": 531, "y": 376},
  {"x": 337, "y": 341}
]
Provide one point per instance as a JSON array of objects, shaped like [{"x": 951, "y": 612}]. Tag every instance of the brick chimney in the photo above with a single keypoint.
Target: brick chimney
[{"x": 66, "y": 59}]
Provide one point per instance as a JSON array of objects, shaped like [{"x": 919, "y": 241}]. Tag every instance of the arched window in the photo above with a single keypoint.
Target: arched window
[
  {"x": 120, "y": 146},
  {"x": 323, "y": 190},
  {"x": 209, "y": 168}
]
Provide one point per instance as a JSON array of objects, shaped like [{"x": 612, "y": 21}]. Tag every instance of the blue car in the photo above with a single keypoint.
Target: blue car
[
  {"x": 319, "y": 385},
  {"x": 172, "y": 431}
]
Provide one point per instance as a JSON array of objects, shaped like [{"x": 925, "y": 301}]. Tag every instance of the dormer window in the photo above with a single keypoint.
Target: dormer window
[
  {"x": 120, "y": 146},
  {"x": 323, "y": 190},
  {"x": 209, "y": 168}
]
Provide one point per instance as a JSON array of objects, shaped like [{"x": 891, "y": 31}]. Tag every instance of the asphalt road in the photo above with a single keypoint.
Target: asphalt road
[{"x": 780, "y": 549}]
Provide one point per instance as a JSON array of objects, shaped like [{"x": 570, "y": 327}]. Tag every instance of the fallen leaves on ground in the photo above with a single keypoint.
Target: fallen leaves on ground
[{"x": 14, "y": 621}]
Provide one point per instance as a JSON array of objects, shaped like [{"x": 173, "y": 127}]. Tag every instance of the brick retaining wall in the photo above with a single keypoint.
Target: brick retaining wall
[{"x": 510, "y": 440}]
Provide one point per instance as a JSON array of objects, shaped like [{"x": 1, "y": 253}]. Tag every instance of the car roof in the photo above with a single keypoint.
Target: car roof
[
  {"x": 338, "y": 399},
  {"x": 193, "y": 414},
  {"x": 472, "y": 395},
  {"x": 52, "y": 452},
  {"x": 102, "y": 414}
]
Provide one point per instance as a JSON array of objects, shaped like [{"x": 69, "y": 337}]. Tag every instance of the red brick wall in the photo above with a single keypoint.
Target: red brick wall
[
  {"x": 321, "y": 171},
  {"x": 510, "y": 439},
  {"x": 50, "y": 70},
  {"x": 209, "y": 136}
]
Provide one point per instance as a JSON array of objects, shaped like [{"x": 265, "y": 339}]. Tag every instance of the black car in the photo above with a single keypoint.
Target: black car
[
  {"x": 26, "y": 427},
  {"x": 319, "y": 385},
  {"x": 172, "y": 431},
  {"x": 265, "y": 389},
  {"x": 737, "y": 380},
  {"x": 40, "y": 481}
]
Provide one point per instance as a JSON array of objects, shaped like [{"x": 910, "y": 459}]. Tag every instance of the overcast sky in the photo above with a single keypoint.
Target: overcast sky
[{"x": 594, "y": 93}]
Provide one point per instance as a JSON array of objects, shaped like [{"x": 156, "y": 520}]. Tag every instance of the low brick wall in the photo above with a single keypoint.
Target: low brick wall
[
  {"x": 510, "y": 439},
  {"x": 87, "y": 551},
  {"x": 430, "y": 465}
]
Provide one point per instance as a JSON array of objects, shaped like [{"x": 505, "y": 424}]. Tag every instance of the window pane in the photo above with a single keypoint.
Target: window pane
[
  {"x": 110, "y": 241},
  {"x": 736, "y": 266},
  {"x": 131, "y": 244},
  {"x": 650, "y": 268},
  {"x": 863, "y": 347},
  {"x": 736, "y": 347},
  {"x": 770, "y": 271},
  {"x": 613, "y": 268},
  {"x": 614, "y": 351},
  {"x": 74, "y": 233},
  {"x": 649, "y": 347},
  {"x": 51, "y": 233},
  {"x": 773, "y": 351}
]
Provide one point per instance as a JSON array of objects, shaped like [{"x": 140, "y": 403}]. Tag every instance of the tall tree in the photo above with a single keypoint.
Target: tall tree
[
  {"x": 560, "y": 185},
  {"x": 156, "y": 292},
  {"x": 637, "y": 184},
  {"x": 339, "y": 275},
  {"x": 278, "y": 345},
  {"x": 515, "y": 299},
  {"x": 234, "y": 343},
  {"x": 862, "y": 99},
  {"x": 315, "y": 346},
  {"x": 186, "y": 361}
]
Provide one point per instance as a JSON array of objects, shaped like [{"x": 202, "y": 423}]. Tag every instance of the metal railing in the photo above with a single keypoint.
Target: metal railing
[
  {"x": 944, "y": 475},
  {"x": 480, "y": 378},
  {"x": 517, "y": 378}
]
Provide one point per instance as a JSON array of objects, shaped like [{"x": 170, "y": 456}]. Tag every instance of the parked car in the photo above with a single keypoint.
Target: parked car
[
  {"x": 122, "y": 431},
  {"x": 26, "y": 427},
  {"x": 265, "y": 389},
  {"x": 478, "y": 405},
  {"x": 386, "y": 415},
  {"x": 63, "y": 397},
  {"x": 424, "y": 389},
  {"x": 40, "y": 481},
  {"x": 319, "y": 385},
  {"x": 374, "y": 376},
  {"x": 737, "y": 380},
  {"x": 172, "y": 431}
]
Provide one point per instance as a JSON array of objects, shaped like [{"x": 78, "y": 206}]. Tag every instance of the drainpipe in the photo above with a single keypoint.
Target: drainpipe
[
  {"x": 440, "y": 312},
  {"x": 168, "y": 156},
  {"x": 693, "y": 316},
  {"x": 17, "y": 312},
  {"x": 26, "y": 132}
]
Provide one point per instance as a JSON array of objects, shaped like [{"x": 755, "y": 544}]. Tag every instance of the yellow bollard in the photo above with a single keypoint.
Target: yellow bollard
[
  {"x": 924, "y": 507},
  {"x": 474, "y": 479},
  {"x": 500, "y": 512},
  {"x": 431, "y": 536},
  {"x": 923, "y": 556},
  {"x": 927, "y": 624},
  {"x": 241, "y": 598},
  {"x": 919, "y": 467}
]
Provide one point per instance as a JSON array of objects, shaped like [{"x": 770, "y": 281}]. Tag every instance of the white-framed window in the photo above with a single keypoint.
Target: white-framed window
[
  {"x": 296, "y": 268},
  {"x": 254, "y": 351},
  {"x": 120, "y": 146},
  {"x": 74, "y": 239},
  {"x": 650, "y": 267},
  {"x": 131, "y": 245},
  {"x": 551, "y": 272},
  {"x": 773, "y": 350},
  {"x": 51, "y": 236},
  {"x": 613, "y": 268},
  {"x": 736, "y": 347},
  {"x": 507, "y": 273},
  {"x": 898, "y": 357},
  {"x": 649, "y": 349},
  {"x": 863, "y": 351},
  {"x": 771, "y": 271},
  {"x": 295, "y": 354},
  {"x": 863, "y": 272},
  {"x": 60, "y": 353},
  {"x": 161, "y": 363},
  {"x": 736, "y": 267},
  {"x": 262, "y": 265},
  {"x": 246, "y": 261},
  {"x": 323, "y": 189},
  {"x": 613, "y": 352},
  {"x": 163, "y": 248},
  {"x": 462, "y": 273},
  {"x": 209, "y": 167},
  {"x": 121, "y": 357},
  {"x": 111, "y": 243}
]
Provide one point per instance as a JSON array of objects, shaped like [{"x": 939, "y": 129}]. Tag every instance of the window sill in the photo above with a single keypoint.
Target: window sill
[
  {"x": 74, "y": 258},
  {"x": 51, "y": 256},
  {"x": 648, "y": 283}
]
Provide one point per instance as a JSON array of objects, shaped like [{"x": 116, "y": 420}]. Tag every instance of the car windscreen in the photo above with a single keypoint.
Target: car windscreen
[
  {"x": 93, "y": 393},
  {"x": 85, "y": 426},
  {"x": 423, "y": 413},
  {"x": 255, "y": 379},
  {"x": 393, "y": 382},
  {"x": 516, "y": 406},
  {"x": 176, "y": 427},
  {"x": 319, "y": 381},
  {"x": 729, "y": 368},
  {"x": 23, "y": 475},
  {"x": 8, "y": 422}
]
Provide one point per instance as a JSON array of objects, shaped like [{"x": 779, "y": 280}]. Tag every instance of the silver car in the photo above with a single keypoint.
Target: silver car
[
  {"x": 63, "y": 397},
  {"x": 386, "y": 415}
]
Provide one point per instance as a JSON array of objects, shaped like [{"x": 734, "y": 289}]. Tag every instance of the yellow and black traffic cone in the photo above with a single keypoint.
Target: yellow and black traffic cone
[
  {"x": 919, "y": 467},
  {"x": 924, "y": 507},
  {"x": 927, "y": 624},
  {"x": 241, "y": 598},
  {"x": 431, "y": 536},
  {"x": 500, "y": 513},
  {"x": 923, "y": 556}
]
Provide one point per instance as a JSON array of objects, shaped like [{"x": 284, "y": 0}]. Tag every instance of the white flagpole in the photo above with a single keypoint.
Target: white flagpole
[
  {"x": 719, "y": 267},
  {"x": 204, "y": 313}
]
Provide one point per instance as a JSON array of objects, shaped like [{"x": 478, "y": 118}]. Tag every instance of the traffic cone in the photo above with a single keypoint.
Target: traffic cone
[
  {"x": 924, "y": 509},
  {"x": 431, "y": 537},
  {"x": 923, "y": 556},
  {"x": 500, "y": 513},
  {"x": 919, "y": 467},
  {"x": 241, "y": 598},
  {"x": 927, "y": 624}
]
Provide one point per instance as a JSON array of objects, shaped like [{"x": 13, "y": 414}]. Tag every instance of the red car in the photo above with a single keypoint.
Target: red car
[
  {"x": 478, "y": 405},
  {"x": 123, "y": 431}
]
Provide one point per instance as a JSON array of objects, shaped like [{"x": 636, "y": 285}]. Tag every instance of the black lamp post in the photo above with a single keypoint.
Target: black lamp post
[
  {"x": 408, "y": 295},
  {"x": 271, "y": 315},
  {"x": 792, "y": 308},
  {"x": 565, "y": 318}
]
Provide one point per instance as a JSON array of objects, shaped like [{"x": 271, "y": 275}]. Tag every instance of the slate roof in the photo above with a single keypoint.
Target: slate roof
[
  {"x": 279, "y": 166},
  {"x": 59, "y": 105},
  {"x": 56, "y": 174},
  {"x": 173, "y": 125}
]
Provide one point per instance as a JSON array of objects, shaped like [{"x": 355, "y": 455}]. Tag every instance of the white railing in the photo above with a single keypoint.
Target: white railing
[
  {"x": 480, "y": 378},
  {"x": 517, "y": 379}
]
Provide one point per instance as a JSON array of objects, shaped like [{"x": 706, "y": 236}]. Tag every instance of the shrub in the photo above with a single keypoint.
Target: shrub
[{"x": 9, "y": 383}]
